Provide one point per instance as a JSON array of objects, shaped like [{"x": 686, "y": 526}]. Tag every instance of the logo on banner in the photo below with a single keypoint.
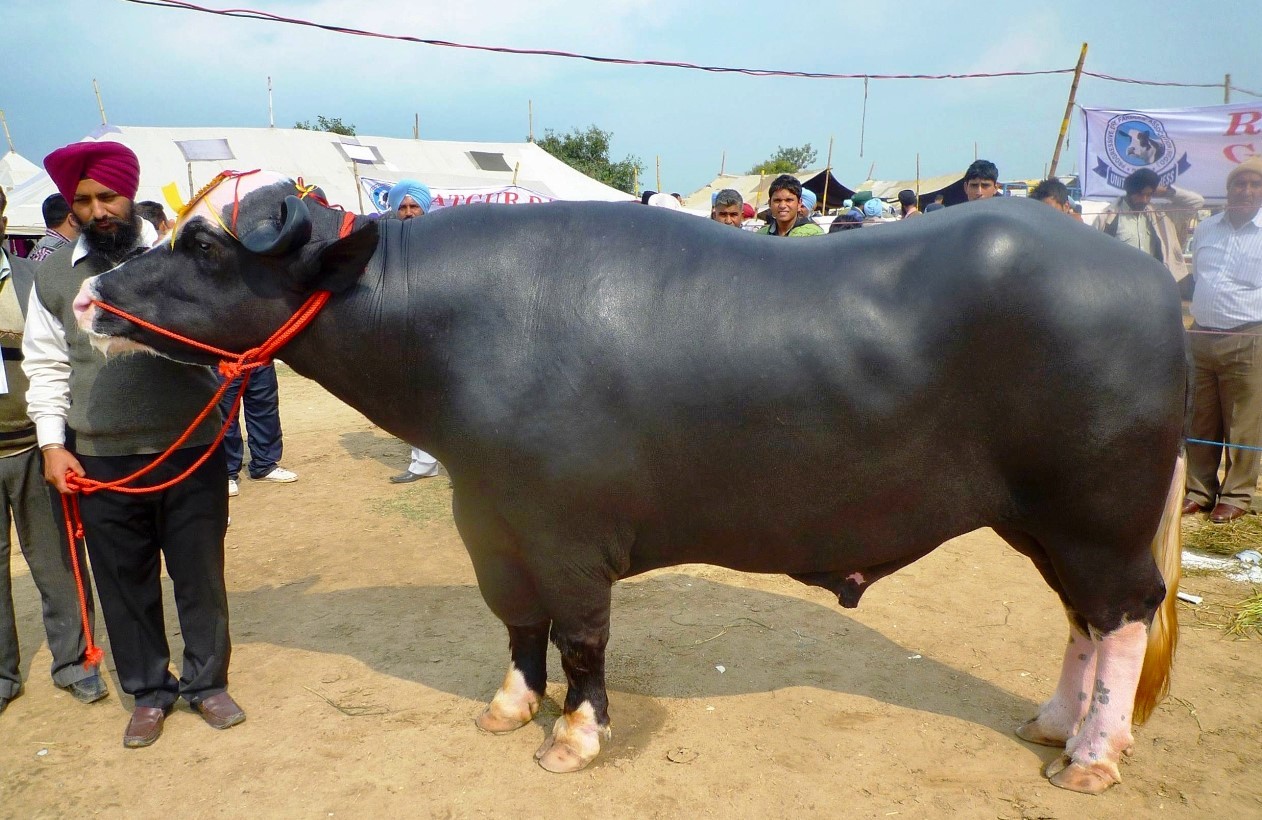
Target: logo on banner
[{"x": 1133, "y": 141}]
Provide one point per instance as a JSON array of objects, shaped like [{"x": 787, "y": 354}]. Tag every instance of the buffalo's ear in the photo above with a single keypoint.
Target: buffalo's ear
[
  {"x": 341, "y": 263},
  {"x": 294, "y": 231}
]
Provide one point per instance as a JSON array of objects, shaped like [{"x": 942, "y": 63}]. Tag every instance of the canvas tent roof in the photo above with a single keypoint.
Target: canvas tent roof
[
  {"x": 753, "y": 188},
  {"x": 14, "y": 170},
  {"x": 323, "y": 159},
  {"x": 951, "y": 186}
]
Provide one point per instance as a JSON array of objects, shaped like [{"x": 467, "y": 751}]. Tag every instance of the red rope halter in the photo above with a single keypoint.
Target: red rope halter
[{"x": 231, "y": 366}]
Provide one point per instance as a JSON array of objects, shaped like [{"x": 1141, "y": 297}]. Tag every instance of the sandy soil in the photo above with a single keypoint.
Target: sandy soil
[{"x": 363, "y": 651}]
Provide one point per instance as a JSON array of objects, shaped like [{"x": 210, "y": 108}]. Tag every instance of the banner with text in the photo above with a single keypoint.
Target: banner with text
[
  {"x": 1192, "y": 148},
  {"x": 375, "y": 191}
]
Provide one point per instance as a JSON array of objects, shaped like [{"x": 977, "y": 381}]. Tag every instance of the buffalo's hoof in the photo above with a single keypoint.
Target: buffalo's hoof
[
  {"x": 514, "y": 705},
  {"x": 574, "y": 742},
  {"x": 1095, "y": 778},
  {"x": 501, "y": 724},
  {"x": 1032, "y": 731}
]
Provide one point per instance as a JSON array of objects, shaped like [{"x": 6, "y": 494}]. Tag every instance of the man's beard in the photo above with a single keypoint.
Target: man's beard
[{"x": 115, "y": 245}]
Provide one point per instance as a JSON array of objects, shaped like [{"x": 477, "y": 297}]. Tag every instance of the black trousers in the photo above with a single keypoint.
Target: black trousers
[{"x": 127, "y": 536}]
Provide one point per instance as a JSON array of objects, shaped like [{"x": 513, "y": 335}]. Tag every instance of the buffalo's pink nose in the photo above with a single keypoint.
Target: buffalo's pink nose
[{"x": 83, "y": 302}]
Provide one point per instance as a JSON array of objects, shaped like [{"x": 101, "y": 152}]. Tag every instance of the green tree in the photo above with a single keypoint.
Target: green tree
[
  {"x": 786, "y": 161},
  {"x": 331, "y": 124},
  {"x": 588, "y": 151}
]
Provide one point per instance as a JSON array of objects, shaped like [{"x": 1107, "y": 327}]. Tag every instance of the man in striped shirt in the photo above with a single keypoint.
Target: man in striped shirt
[
  {"x": 1227, "y": 350},
  {"x": 59, "y": 227}
]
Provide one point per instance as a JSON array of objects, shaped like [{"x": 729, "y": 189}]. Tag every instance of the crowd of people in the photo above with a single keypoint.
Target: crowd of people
[{"x": 64, "y": 411}]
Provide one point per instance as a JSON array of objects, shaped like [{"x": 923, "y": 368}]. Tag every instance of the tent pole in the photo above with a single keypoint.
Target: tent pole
[
  {"x": 723, "y": 162},
  {"x": 659, "y": 173},
  {"x": 1069, "y": 110},
  {"x": 828, "y": 174},
  {"x": 100, "y": 105},
  {"x": 530, "y": 120},
  {"x": 8, "y": 138},
  {"x": 863, "y": 120},
  {"x": 271, "y": 118},
  {"x": 416, "y": 125},
  {"x": 917, "y": 176},
  {"x": 359, "y": 188},
  {"x": 191, "y": 190},
  {"x": 516, "y": 168},
  {"x": 1226, "y": 89}
]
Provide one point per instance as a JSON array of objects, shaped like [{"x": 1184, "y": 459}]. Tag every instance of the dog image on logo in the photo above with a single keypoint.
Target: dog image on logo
[{"x": 1143, "y": 148}]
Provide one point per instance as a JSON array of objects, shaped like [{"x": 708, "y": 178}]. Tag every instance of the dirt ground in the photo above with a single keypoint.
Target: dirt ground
[{"x": 363, "y": 651}]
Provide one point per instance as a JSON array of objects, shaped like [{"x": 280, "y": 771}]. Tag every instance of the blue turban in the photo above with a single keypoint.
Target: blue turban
[
  {"x": 419, "y": 192},
  {"x": 808, "y": 199}
]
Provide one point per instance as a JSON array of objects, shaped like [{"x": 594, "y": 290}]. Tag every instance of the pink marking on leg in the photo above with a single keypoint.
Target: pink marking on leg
[
  {"x": 1058, "y": 719},
  {"x": 857, "y": 577},
  {"x": 1093, "y": 753}
]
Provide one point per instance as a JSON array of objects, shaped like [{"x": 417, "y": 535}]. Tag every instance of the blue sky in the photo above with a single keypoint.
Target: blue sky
[{"x": 166, "y": 67}]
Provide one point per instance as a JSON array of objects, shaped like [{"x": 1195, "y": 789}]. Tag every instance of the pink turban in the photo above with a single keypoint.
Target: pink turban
[{"x": 112, "y": 164}]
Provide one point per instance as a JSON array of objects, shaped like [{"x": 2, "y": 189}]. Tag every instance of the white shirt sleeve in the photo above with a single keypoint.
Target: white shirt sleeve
[{"x": 46, "y": 362}]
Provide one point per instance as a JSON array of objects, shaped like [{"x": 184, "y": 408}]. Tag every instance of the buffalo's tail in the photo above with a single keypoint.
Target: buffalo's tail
[{"x": 1163, "y": 633}]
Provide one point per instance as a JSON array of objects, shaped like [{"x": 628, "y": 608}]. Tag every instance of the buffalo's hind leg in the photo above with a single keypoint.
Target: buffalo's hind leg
[
  {"x": 1059, "y": 718},
  {"x": 508, "y": 587},
  {"x": 518, "y": 698},
  {"x": 581, "y": 637}
]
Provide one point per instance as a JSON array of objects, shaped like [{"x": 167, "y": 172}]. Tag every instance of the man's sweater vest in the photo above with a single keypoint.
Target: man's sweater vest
[{"x": 126, "y": 405}]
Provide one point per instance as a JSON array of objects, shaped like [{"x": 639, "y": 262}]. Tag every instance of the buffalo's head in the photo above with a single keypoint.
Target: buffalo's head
[{"x": 242, "y": 258}]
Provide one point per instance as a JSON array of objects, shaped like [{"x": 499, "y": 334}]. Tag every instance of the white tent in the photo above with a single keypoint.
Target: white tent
[
  {"x": 14, "y": 170},
  {"x": 344, "y": 167}
]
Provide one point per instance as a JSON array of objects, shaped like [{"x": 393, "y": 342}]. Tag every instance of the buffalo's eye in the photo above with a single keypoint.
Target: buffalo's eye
[{"x": 203, "y": 246}]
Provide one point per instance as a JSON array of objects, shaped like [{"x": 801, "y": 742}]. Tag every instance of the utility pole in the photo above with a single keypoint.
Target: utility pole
[{"x": 1069, "y": 110}]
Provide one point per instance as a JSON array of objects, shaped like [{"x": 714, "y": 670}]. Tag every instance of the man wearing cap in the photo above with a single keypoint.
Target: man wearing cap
[
  {"x": 108, "y": 418},
  {"x": 409, "y": 199},
  {"x": 24, "y": 495},
  {"x": 785, "y": 197},
  {"x": 59, "y": 228},
  {"x": 1226, "y": 341}
]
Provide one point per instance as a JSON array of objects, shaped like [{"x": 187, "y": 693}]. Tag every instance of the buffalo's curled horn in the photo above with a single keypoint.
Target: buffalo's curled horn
[{"x": 294, "y": 231}]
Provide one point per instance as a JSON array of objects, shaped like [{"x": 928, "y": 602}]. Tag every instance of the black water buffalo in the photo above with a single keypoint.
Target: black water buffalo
[{"x": 616, "y": 388}]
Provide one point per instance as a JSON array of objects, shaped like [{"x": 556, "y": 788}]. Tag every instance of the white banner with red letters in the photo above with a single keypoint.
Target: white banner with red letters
[
  {"x": 376, "y": 190},
  {"x": 1191, "y": 148}
]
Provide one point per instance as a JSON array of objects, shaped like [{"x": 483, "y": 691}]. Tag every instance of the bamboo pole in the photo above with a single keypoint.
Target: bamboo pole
[
  {"x": 1226, "y": 89},
  {"x": 100, "y": 105},
  {"x": 917, "y": 178},
  {"x": 635, "y": 180},
  {"x": 7, "y": 138},
  {"x": 659, "y": 173},
  {"x": 416, "y": 126},
  {"x": 516, "y": 168},
  {"x": 271, "y": 115},
  {"x": 723, "y": 162},
  {"x": 530, "y": 120},
  {"x": 1069, "y": 110},
  {"x": 863, "y": 119},
  {"x": 828, "y": 174}
]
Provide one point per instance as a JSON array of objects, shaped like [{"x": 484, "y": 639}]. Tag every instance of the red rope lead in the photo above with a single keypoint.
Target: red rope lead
[{"x": 231, "y": 366}]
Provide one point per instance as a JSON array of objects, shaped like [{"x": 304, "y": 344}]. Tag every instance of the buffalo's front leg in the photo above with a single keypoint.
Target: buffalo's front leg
[
  {"x": 518, "y": 698},
  {"x": 584, "y": 722}
]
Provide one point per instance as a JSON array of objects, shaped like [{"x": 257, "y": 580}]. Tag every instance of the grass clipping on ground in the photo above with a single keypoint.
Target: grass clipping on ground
[
  {"x": 1222, "y": 539},
  {"x": 1248, "y": 620}
]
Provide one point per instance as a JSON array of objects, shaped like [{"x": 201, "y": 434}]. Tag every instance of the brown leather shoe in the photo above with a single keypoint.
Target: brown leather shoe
[
  {"x": 1224, "y": 513},
  {"x": 144, "y": 727},
  {"x": 1191, "y": 506},
  {"x": 220, "y": 711}
]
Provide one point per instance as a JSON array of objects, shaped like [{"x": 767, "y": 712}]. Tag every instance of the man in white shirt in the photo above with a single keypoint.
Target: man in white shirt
[{"x": 1226, "y": 343}]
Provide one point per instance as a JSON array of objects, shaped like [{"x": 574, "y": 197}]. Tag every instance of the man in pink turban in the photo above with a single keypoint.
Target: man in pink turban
[{"x": 108, "y": 418}]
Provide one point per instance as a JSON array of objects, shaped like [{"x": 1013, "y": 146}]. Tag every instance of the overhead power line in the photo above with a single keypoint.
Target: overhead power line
[{"x": 264, "y": 16}]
